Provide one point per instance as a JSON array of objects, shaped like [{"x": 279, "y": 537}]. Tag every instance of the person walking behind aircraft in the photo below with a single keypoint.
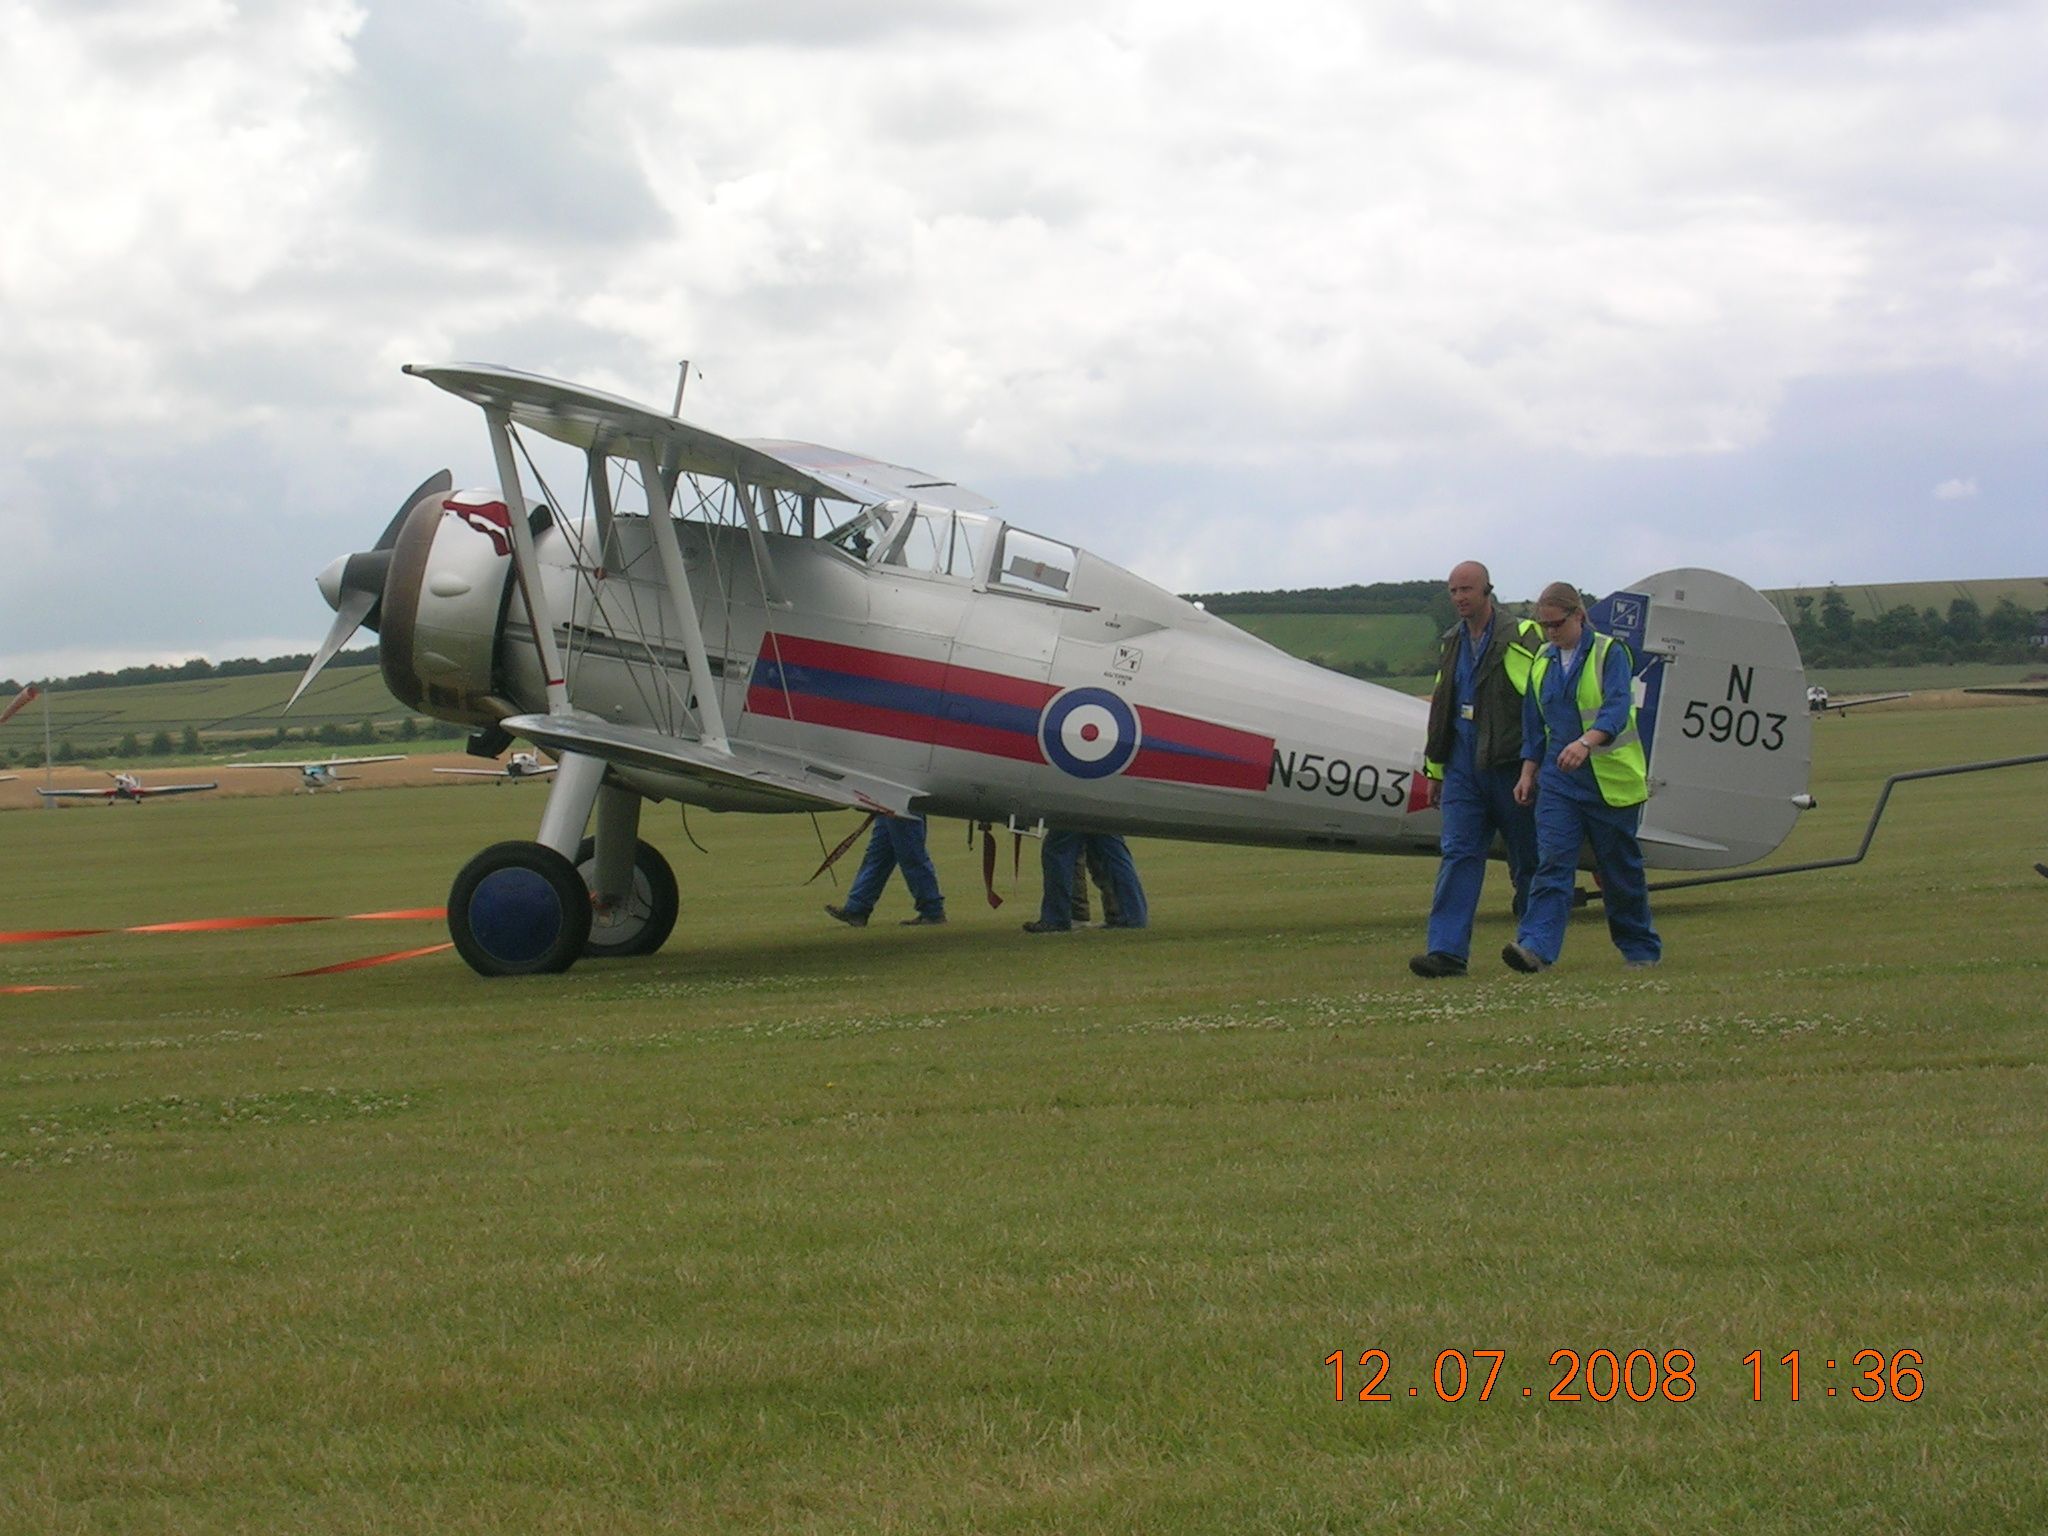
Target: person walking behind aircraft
[
  {"x": 1583, "y": 768},
  {"x": 1473, "y": 756},
  {"x": 1124, "y": 898},
  {"x": 896, "y": 840}
]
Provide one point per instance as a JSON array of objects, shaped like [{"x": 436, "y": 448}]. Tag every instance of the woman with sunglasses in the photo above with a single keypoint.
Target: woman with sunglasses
[{"x": 1583, "y": 769}]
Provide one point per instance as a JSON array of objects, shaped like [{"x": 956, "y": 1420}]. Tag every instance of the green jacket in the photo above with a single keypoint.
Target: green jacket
[{"x": 1496, "y": 694}]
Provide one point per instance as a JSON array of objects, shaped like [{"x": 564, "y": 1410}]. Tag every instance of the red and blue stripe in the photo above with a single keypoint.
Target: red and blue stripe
[{"x": 878, "y": 693}]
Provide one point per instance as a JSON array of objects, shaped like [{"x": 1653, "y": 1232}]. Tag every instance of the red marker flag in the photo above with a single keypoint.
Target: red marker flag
[{"x": 22, "y": 700}]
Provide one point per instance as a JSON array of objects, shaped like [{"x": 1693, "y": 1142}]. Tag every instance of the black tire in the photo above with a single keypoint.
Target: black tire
[
  {"x": 650, "y": 909},
  {"x": 519, "y": 909}
]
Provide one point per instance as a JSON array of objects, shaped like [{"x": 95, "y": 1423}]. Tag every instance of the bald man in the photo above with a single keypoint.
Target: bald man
[{"x": 1474, "y": 757}]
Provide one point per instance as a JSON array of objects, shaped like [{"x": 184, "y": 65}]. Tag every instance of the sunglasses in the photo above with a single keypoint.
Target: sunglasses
[{"x": 1557, "y": 623}]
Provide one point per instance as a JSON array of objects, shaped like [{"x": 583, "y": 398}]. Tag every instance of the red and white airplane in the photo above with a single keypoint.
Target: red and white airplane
[
  {"x": 126, "y": 786},
  {"x": 520, "y": 765},
  {"x": 321, "y": 775}
]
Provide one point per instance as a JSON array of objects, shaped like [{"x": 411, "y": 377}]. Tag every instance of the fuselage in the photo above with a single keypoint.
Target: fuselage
[{"x": 1008, "y": 677}]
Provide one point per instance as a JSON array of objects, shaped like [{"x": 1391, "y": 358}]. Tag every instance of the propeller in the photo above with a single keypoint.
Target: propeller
[{"x": 354, "y": 584}]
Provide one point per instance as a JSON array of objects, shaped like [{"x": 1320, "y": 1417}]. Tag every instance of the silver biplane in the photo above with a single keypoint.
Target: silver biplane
[{"x": 776, "y": 626}]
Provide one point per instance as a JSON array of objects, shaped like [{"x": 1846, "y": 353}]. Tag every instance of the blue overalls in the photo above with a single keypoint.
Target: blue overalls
[
  {"x": 896, "y": 840},
  {"x": 1570, "y": 812},
  {"x": 1056, "y": 860},
  {"x": 1477, "y": 803}
]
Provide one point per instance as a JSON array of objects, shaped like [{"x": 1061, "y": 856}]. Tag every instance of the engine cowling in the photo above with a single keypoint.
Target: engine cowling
[{"x": 444, "y": 605}]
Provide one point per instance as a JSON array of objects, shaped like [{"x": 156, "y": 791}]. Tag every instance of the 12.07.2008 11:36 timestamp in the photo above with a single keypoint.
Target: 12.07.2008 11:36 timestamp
[{"x": 1603, "y": 1376}]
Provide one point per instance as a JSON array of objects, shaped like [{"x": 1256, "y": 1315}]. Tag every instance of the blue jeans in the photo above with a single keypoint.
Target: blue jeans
[
  {"x": 896, "y": 840},
  {"x": 1056, "y": 862},
  {"x": 1477, "y": 803},
  {"x": 1563, "y": 823}
]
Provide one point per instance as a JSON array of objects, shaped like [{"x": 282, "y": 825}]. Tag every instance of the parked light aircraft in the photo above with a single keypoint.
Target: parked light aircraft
[
  {"x": 126, "y": 786},
  {"x": 1818, "y": 700},
  {"x": 783, "y": 627},
  {"x": 520, "y": 765},
  {"x": 314, "y": 777}
]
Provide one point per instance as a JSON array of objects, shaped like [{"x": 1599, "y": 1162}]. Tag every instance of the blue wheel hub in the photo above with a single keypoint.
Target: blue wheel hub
[{"x": 516, "y": 915}]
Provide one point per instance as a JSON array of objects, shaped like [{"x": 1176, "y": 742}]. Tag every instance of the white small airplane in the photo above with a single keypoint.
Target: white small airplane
[
  {"x": 783, "y": 627},
  {"x": 126, "y": 786},
  {"x": 520, "y": 765},
  {"x": 1818, "y": 701},
  {"x": 321, "y": 775}
]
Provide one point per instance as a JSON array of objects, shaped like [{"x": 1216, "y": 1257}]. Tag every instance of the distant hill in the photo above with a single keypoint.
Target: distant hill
[{"x": 1873, "y": 600}]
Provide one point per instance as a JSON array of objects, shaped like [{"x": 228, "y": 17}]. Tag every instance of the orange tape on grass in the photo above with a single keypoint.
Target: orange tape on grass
[
  {"x": 223, "y": 924},
  {"x": 20, "y": 991},
  {"x": 228, "y": 924},
  {"x": 370, "y": 960}
]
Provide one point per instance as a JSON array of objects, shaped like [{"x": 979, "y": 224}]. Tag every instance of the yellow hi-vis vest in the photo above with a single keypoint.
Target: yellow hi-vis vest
[{"x": 1619, "y": 768}]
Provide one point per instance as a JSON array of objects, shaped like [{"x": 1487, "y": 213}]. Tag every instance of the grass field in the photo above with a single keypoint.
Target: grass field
[
  {"x": 796, "y": 1228},
  {"x": 1391, "y": 640},
  {"x": 1872, "y": 600},
  {"x": 216, "y": 707}
]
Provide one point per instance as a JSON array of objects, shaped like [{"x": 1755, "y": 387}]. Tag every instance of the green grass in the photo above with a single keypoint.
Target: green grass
[
  {"x": 1853, "y": 680},
  {"x": 797, "y": 1228},
  {"x": 213, "y": 706},
  {"x": 1391, "y": 640}
]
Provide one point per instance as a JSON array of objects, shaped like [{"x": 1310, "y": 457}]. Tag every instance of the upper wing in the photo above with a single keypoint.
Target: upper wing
[
  {"x": 170, "y": 789},
  {"x": 332, "y": 762},
  {"x": 589, "y": 418},
  {"x": 1868, "y": 698},
  {"x": 779, "y": 780}
]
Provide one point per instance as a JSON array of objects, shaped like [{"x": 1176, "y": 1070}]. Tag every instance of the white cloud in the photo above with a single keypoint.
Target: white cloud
[
  {"x": 1956, "y": 490},
  {"x": 1410, "y": 269}
]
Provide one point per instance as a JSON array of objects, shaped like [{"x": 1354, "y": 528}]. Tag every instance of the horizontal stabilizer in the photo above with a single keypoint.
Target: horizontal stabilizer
[{"x": 778, "y": 780}]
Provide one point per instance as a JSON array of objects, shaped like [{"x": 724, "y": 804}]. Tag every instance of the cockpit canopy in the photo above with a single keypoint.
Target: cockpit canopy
[{"x": 959, "y": 546}]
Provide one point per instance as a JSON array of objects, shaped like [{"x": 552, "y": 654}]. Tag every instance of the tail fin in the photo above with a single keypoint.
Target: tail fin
[{"x": 1721, "y": 707}]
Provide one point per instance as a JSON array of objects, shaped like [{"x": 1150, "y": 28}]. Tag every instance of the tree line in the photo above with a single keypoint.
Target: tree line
[{"x": 1831, "y": 635}]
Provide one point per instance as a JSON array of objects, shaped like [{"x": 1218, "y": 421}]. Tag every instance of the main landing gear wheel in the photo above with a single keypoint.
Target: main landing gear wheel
[
  {"x": 519, "y": 909},
  {"x": 640, "y": 924}
]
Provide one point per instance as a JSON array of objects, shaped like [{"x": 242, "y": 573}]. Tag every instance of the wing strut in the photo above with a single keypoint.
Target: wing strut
[
  {"x": 524, "y": 564},
  {"x": 711, "y": 716}
]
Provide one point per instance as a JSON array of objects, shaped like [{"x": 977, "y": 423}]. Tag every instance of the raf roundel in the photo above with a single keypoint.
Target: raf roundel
[{"x": 1089, "y": 733}]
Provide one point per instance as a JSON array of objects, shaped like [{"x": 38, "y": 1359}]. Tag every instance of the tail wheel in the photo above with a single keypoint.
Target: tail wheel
[
  {"x": 519, "y": 909},
  {"x": 641, "y": 922}
]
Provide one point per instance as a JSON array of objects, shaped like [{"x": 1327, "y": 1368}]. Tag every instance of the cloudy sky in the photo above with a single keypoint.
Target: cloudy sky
[{"x": 1286, "y": 294}]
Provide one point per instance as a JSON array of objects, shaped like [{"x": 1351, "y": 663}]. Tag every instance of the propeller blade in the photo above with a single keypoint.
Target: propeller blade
[
  {"x": 435, "y": 484},
  {"x": 348, "y": 614}
]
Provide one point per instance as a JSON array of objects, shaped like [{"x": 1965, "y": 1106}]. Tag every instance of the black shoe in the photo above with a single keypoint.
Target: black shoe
[
  {"x": 1035, "y": 926},
  {"x": 924, "y": 920},
  {"x": 1436, "y": 965},
  {"x": 1521, "y": 958},
  {"x": 851, "y": 919}
]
